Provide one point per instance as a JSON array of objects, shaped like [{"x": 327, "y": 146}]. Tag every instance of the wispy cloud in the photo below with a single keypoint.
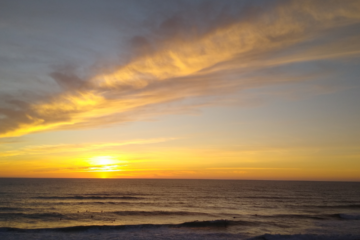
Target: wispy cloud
[
  {"x": 247, "y": 168},
  {"x": 93, "y": 168},
  {"x": 9, "y": 140},
  {"x": 178, "y": 60},
  {"x": 61, "y": 148}
]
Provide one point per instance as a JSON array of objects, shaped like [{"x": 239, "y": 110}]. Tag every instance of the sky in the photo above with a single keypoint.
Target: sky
[{"x": 191, "y": 89}]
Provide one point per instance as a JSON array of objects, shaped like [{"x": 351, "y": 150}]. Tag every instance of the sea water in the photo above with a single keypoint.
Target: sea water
[{"x": 178, "y": 209}]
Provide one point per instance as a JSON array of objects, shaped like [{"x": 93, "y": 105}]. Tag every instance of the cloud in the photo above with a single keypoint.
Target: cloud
[
  {"x": 67, "y": 80},
  {"x": 93, "y": 168},
  {"x": 184, "y": 57},
  {"x": 247, "y": 168},
  {"x": 61, "y": 148},
  {"x": 9, "y": 140}
]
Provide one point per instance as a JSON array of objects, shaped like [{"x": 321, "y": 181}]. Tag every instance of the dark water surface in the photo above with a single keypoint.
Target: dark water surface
[{"x": 251, "y": 208}]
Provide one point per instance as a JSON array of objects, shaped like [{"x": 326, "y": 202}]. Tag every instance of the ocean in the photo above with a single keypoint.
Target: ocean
[{"x": 178, "y": 209}]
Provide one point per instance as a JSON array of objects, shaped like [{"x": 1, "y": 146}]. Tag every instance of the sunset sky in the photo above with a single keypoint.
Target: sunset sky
[{"x": 180, "y": 89}]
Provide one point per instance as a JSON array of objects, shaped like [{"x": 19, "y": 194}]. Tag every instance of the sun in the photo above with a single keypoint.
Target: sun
[
  {"x": 102, "y": 160},
  {"x": 104, "y": 165}
]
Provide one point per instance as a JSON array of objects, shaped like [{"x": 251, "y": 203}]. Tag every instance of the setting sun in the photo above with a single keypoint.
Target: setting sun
[
  {"x": 102, "y": 160},
  {"x": 104, "y": 164}
]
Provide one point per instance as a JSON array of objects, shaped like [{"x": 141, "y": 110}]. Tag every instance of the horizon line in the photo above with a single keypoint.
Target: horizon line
[{"x": 221, "y": 179}]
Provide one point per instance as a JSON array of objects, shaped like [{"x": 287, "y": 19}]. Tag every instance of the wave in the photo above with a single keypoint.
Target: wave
[
  {"x": 94, "y": 203},
  {"x": 166, "y": 231},
  {"x": 112, "y": 214},
  {"x": 90, "y": 197},
  {"x": 220, "y": 223},
  {"x": 217, "y": 223},
  {"x": 104, "y": 203},
  {"x": 314, "y": 216},
  {"x": 31, "y": 215},
  {"x": 348, "y": 216},
  {"x": 157, "y": 213},
  {"x": 80, "y": 215},
  {"x": 306, "y": 237},
  {"x": 298, "y": 216},
  {"x": 345, "y": 216},
  {"x": 279, "y": 197},
  {"x": 7, "y": 209},
  {"x": 71, "y": 203},
  {"x": 84, "y": 232},
  {"x": 116, "y": 194},
  {"x": 339, "y": 206}
]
